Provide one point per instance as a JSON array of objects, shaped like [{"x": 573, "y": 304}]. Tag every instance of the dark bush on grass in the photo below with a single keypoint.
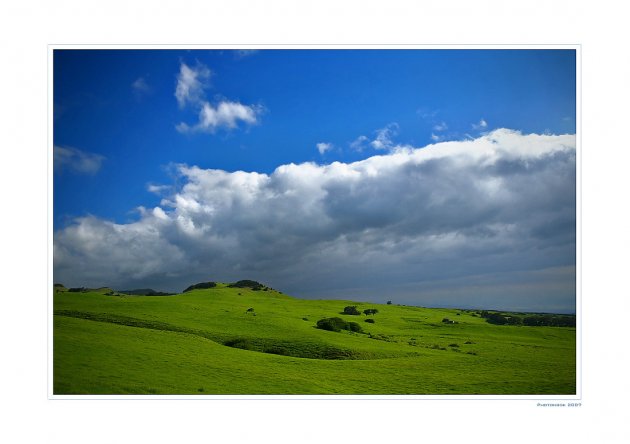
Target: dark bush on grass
[
  {"x": 353, "y": 326},
  {"x": 351, "y": 310},
  {"x": 246, "y": 283},
  {"x": 201, "y": 286},
  {"x": 550, "y": 320},
  {"x": 331, "y": 324},
  {"x": 337, "y": 324},
  {"x": 370, "y": 321},
  {"x": 77, "y": 289},
  {"x": 496, "y": 319}
]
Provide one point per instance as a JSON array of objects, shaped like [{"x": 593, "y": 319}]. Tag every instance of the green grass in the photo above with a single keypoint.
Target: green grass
[{"x": 206, "y": 342}]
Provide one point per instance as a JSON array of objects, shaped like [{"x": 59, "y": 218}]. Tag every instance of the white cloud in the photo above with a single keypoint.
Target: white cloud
[
  {"x": 191, "y": 84},
  {"x": 140, "y": 87},
  {"x": 158, "y": 189},
  {"x": 384, "y": 137},
  {"x": 190, "y": 90},
  {"x": 243, "y": 53},
  {"x": 414, "y": 219},
  {"x": 435, "y": 137},
  {"x": 442, "y": 126},
  {"x": 481, "y": 125},
  {"x": 225, "y": 115},
  {"x": 359, "y": 143},
  {"x": 73, "y": 159},
  {"x": 322, "y": 147}
]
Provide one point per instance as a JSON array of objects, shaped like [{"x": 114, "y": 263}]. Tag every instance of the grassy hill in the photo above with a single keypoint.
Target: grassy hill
[{"x": 243, "y": 340}]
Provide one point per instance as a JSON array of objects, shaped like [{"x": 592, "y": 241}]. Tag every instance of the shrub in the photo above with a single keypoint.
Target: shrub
[
  {"x": 389, "y": 302},
  {"x": 514, "y": 320},
  {"x": 353, "y": 326},
  {"x": 370, "y": 311},
  {"x": 331, "y": 324},
  {"x": 58, "y": 285},
  {"x": 446, "y": 320},
  {"x": 338, "y": 324},
  {"x": 497, "y": 319},
  {"x": 453, "y": 345},
  {"x": 246, "y": 283},
  {"x": 370, "y": 321},
  {"x": 351, "y": 310},
  {"x": 249, "y": 310},
  {"x": 550, "y": 320},
  {"x": 200, "y": 285}
]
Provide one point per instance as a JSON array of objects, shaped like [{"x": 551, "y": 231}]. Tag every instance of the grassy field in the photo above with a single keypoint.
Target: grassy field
[{"x": 207, "y": 342}]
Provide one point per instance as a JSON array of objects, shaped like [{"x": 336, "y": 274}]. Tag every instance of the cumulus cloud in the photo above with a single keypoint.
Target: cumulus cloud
[
  {"x": 384, "y": 137},
  {"x": 459, "y": 223},
  {"x": 225, "y": 115},
  {"x": 190, "y": 90},
  {"x": 77, "y": 161},
  {"x": 359, "y": 143},
  {"x": 191, "y": 84},
  {"x": 322, "y": 147}
]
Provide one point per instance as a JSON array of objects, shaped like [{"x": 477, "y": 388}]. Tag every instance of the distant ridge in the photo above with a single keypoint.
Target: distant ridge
[{"x": 145, "y": 292}]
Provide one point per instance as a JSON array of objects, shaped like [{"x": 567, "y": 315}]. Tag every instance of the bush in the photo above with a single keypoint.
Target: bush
[
  {"x": 338, "y": 324},
  {"x": 351, "y": 310},
  {"x": 331, "y": 324},
  {"x": 514, "y": 320},
  {"x": 389, "y": 302},
  {"x": 497, "y": 319},
  {"x": 246, "y": 283},
  {"x": 370, "y": 321},
  {"x": 370, "y": 311},
  {"x": 200, "y": 285},
  {"x": 549, "y": 320},
  {"x": 353, "y": 326}
]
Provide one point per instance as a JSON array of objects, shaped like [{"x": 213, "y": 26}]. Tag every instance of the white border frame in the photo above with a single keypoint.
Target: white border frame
[{"x": 544, "y": 399}]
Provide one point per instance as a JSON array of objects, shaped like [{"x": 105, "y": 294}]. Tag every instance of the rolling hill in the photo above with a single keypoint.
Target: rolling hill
[{"x": 251, "y": 339}]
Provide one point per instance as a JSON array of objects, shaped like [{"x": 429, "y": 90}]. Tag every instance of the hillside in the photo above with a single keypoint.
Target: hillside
[{"x": 242, "y": 339}]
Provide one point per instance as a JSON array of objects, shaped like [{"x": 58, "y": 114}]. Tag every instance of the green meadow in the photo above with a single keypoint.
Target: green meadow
[{"x": 245, "y": 341}]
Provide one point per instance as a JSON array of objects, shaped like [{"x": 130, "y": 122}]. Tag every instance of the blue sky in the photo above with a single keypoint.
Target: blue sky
[{"x": 127, "y": 131}]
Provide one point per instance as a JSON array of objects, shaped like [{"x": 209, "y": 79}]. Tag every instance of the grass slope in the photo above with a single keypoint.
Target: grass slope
[{"x": 207, "y": 342}]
